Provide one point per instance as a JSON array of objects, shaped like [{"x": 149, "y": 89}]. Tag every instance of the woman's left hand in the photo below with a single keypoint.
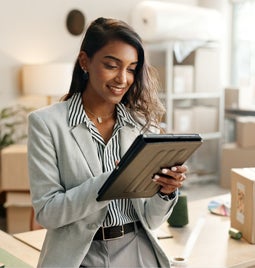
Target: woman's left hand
[{"x": 171, "y": 179}]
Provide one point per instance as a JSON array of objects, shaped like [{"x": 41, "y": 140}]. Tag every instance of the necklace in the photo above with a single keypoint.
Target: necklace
[{"x": 99, "y": 118}]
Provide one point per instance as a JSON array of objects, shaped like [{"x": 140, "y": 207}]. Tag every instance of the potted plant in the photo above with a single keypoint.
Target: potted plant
[
  {"x": 13, "y": 128},
  {"x": 13, "y": 125}
]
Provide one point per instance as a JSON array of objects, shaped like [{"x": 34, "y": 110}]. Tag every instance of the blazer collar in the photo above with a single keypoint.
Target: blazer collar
[{"x": 88, "y": 148}]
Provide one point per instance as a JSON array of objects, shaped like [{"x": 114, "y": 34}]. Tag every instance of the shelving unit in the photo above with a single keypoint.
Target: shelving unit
[{"x": 193, "y": 97}]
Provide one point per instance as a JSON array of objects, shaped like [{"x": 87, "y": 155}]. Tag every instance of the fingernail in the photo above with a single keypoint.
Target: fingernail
[
  {"x": 156, "y": 177},
  {"x": 164, "y": 170},
  {"x": 174, "y": 168}
]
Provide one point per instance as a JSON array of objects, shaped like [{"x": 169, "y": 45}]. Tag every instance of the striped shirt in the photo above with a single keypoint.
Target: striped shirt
[{"x": 120, "y": 211}]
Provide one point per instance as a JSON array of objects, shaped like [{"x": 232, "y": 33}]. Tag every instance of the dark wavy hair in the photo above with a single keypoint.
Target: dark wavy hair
[{"x": 141, "y": 99}]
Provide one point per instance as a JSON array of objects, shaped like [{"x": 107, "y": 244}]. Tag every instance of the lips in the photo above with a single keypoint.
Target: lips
[{"x": 117, "y": 90}]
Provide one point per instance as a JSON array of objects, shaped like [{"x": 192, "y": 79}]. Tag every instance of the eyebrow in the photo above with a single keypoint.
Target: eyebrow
[{"x": 118, "y": 60}]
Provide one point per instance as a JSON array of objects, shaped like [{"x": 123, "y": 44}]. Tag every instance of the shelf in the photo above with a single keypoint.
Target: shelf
[
  {"x": 210, "y": 136},
  {"x": 194, "y": 95},
  {"x": 197, "y": 95},
  {"x": 193, "y": 98}
]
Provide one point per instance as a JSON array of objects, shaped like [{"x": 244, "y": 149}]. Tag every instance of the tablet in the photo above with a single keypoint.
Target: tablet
[{"x": 132, "y": 177}]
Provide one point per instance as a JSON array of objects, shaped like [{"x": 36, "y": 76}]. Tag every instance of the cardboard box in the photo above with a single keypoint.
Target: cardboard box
[
  {"x": 18, "y": 212},
  {"x": 207, "y": 70},
  {"x": 233, "y": 156},
  {"x": 205, "y": 119},
  {"x": 199, "y": 119},
  {"x": 245, "y": 129},
  {"x": 14, "y": 169},
  {"x": 243, "y": 202},
  {"x": 183, "y": 81},
  {"x": 231, "y": 98},
  {"x": 183, "y": 120}
]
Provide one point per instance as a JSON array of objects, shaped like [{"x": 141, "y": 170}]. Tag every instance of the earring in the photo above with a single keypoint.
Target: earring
[{"x": 85, "y": 74}]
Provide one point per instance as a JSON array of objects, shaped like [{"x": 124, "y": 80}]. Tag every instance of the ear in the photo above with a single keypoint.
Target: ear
[{"x": 83, "y": 60}]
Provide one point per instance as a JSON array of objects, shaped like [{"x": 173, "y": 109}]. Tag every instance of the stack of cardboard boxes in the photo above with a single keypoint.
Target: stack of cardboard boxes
[
  {"x": 240, "y": 154},
  {"x": 14, "y": 181}
]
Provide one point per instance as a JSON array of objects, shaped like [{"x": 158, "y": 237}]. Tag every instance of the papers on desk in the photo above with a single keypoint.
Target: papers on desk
[
  {"x": 10, "y": 260},
  {"x": 220, "y": 207}
]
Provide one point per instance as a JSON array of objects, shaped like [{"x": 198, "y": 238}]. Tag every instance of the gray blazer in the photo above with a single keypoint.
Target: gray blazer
[{"x": 65, "y": 176}]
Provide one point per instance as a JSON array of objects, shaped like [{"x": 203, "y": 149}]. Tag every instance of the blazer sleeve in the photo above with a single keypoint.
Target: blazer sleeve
[{"x": 55, "y": 204}]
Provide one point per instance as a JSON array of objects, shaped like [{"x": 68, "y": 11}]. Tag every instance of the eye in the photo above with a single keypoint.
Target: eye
[
  {"x": 131, "y": 70},
  {"x": 110, "y": 66}
]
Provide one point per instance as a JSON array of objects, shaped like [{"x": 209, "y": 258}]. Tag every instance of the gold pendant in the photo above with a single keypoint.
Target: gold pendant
[{"x": 99, "y": 119}]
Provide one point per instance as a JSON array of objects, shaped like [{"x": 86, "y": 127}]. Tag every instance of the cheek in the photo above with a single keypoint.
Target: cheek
[
  {"x": 131, "y": 79},
  {"x": 102, "y": 75}
]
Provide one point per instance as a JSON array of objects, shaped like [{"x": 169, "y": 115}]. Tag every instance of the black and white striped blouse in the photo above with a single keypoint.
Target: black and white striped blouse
[{"x": 120, "y": 211}]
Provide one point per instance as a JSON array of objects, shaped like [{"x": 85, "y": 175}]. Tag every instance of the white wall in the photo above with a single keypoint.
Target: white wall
[{"x": 34, "y": 31}]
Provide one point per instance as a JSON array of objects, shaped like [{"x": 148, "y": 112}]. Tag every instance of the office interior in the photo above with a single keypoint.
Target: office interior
[{"x": 203, "y": 51}]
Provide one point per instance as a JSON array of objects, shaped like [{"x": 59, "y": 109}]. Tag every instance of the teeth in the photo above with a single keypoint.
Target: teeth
[{"x": 117, "y": 88}]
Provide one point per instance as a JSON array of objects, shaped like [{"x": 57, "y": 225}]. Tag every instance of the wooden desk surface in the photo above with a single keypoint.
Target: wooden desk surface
[
  {"x": 18, "y": 249},
  {"x": 205, "y": 240},
  {"x": 212, "y": 247},
  {"x": 33, "y": 238}
]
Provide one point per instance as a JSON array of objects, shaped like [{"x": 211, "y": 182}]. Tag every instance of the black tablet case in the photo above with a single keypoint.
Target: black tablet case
[{"x": 132, "y": 178}]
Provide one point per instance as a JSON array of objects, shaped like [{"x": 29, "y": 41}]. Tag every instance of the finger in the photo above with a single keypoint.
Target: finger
[
  {"x": 180, "y": 169},
  {"x": 182, "y": 177},
  {"x": 175, "y": 175},
  {"x": 164, "y": 181}
]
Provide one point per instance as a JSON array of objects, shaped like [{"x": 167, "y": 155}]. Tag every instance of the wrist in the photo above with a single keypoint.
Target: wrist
[{"x": 167, "y": 197}]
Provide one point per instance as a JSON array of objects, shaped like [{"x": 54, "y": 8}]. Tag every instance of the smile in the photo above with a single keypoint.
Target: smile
[{"x": 117, "y": 90}]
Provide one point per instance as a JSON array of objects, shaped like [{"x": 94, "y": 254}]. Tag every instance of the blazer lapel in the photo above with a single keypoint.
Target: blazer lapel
[
  {"x": 88, "y": 148},
  {"x": 127, "y": 136}
]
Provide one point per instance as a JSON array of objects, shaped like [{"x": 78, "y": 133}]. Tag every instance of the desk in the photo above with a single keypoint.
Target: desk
[
  {"x": 18, "y": 249},
  {"x": 213, "y": 247},
  {"x": 33, "y": 238}
]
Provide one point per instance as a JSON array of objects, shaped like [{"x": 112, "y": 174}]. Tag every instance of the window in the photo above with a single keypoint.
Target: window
[{"x": 243, "y": 53}]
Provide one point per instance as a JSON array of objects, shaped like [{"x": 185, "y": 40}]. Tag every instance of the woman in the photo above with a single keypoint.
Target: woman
[{"x": 75, "y": 144}]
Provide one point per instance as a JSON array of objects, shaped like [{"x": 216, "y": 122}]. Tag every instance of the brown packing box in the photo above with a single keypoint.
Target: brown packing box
[
  {"x": 205, "y": 119},
  {"x": 231, "y": 98},
  {"x": 199, "y": 119},
  {"x": 245, "y": 129},
  {"x": 233, "y": 156},
  {"x": 183, "y": 120},
  {"x": 243, "y": 202},
  {"x": 18, "y": 212},
  {"x": 14, "y": 171}
]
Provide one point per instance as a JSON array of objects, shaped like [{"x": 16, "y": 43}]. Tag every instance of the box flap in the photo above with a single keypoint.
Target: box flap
[
  {"x": 248, "y": 173},
  {"x": 16, "y": 199}
]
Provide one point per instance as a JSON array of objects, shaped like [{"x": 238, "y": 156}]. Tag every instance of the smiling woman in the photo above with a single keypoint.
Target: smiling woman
[{"x": 74, "y": 145}]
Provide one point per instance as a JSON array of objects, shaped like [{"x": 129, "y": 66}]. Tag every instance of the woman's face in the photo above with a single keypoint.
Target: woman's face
[{"x": 111, "y": 71}]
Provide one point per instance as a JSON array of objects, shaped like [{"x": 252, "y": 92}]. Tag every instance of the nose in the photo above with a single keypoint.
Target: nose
[{"x": 121, "y": 77}]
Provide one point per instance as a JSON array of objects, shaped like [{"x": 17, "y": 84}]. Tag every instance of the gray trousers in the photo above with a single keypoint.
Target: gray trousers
[{"x": 133, "y": 250}]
